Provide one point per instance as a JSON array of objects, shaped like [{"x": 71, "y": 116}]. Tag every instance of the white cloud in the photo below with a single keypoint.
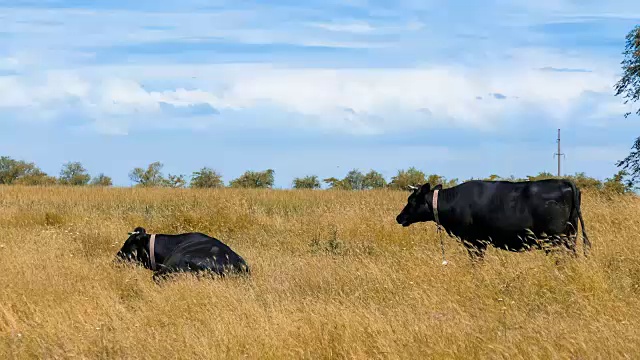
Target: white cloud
[
  {"x": 363, "y": 27},
  {"x": 378, "y": 99},
  {"x": 9, "y": 63},
  {"x": 449, "y": 92},
  {"x": 356, "y": 27}
]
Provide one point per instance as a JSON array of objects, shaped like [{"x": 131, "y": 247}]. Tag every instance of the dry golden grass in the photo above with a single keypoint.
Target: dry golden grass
[{"x": 333, "y": 277}]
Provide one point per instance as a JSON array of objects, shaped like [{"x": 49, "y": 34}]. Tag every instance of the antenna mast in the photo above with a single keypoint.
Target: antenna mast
[{"x": 558, "y": 153}]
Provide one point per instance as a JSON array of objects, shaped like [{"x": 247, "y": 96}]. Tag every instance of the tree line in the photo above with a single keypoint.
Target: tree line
[{"x": 19, "y": 172}]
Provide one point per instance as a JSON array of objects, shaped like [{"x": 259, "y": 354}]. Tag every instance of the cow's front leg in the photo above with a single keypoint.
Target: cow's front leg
[
  {"x": 475, "y": 249},
  {"x": 159, "y": 276},
  {"x": 162, "y": 274}
]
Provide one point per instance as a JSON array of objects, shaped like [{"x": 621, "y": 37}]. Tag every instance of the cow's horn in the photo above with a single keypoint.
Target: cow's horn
[
  {"x": 413, "y": 187},
  {"x": 134, "y": 233}
]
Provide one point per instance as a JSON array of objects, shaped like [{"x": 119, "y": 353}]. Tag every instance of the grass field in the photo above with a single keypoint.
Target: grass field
[{"x": 333, "y": 277}]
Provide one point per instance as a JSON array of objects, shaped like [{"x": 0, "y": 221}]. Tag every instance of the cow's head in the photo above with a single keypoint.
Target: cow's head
[
  {"x": 135, "y": 248},
  {"x": 418, "y": 208}
]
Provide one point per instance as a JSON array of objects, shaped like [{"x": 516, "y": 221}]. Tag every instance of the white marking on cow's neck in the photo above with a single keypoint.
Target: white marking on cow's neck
[
  {"x": 152, "y": 251},
  {"x": 435, "y": 206}
]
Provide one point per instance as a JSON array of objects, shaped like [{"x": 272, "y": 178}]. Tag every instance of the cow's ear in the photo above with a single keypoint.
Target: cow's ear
[
  {"x": 140, "y": 230},
  {"x": 425, "y": 188},
  {"x": 438, "y": 187}
]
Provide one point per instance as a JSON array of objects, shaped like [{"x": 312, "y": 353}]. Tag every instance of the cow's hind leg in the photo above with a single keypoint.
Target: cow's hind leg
[
  {"x": 570, "y": 243},
  {"x": 571, "y": 239}
]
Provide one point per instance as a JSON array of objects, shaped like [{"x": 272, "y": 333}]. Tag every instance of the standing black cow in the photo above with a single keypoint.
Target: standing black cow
[
  {"x": 194, "y": 251},
  {"x": 512, "y": 216}
]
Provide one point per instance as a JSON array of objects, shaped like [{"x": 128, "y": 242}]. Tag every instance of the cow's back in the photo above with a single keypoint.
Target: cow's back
[
  {"x": 503, "y": 206},
  {"x": 205, "y": 251}
]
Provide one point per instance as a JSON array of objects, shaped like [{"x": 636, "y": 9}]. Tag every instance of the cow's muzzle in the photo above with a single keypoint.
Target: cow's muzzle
[{"x": 402, "y": 221}]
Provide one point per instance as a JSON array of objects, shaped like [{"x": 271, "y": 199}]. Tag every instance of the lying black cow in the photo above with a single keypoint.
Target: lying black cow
[
  {"x": 192, "y": 252},
  {"x": 513, "y": 216}
]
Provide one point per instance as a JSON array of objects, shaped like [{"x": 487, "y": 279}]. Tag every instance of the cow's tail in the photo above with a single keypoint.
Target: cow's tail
[{"x": 577, "y": 198}]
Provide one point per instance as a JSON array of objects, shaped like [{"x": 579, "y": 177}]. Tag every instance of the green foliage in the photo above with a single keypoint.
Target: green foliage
[
  {"x": 11, "y": 170},
  {"x": 307, "y": 182},
  {"x": 101, "y": 180},
  {"x": 73, "y": 173},
  {"x": 434, "y": 180},
  {"x": 585, "y": 182},
  {"x": 617, "y": 183},
  {"x": 356, "y": 180},
  {"x": 36, "y": 178},
  {"x": 629, "y": 87},
  {"x": 336, "y": 184},
  {"x": 174, "y": 181},
  {"x": 541, "y": 176},
  {"x": 254, "y": 179},
  {"x": 206, "y": 178},
  {"x": 415, "y": 177},
  {"x": 629, "y": 83},
  {"x": 631, "y": 164},
  {"x": 405, "y": 178},
  {"x": 18, "y": 172},
  {"x": 374, "y": 180},
  {"x": 150, "y": 177}
]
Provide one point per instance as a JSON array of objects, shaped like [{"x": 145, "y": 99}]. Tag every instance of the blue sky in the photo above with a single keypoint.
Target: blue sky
[{"x": 459, "y": 89}]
